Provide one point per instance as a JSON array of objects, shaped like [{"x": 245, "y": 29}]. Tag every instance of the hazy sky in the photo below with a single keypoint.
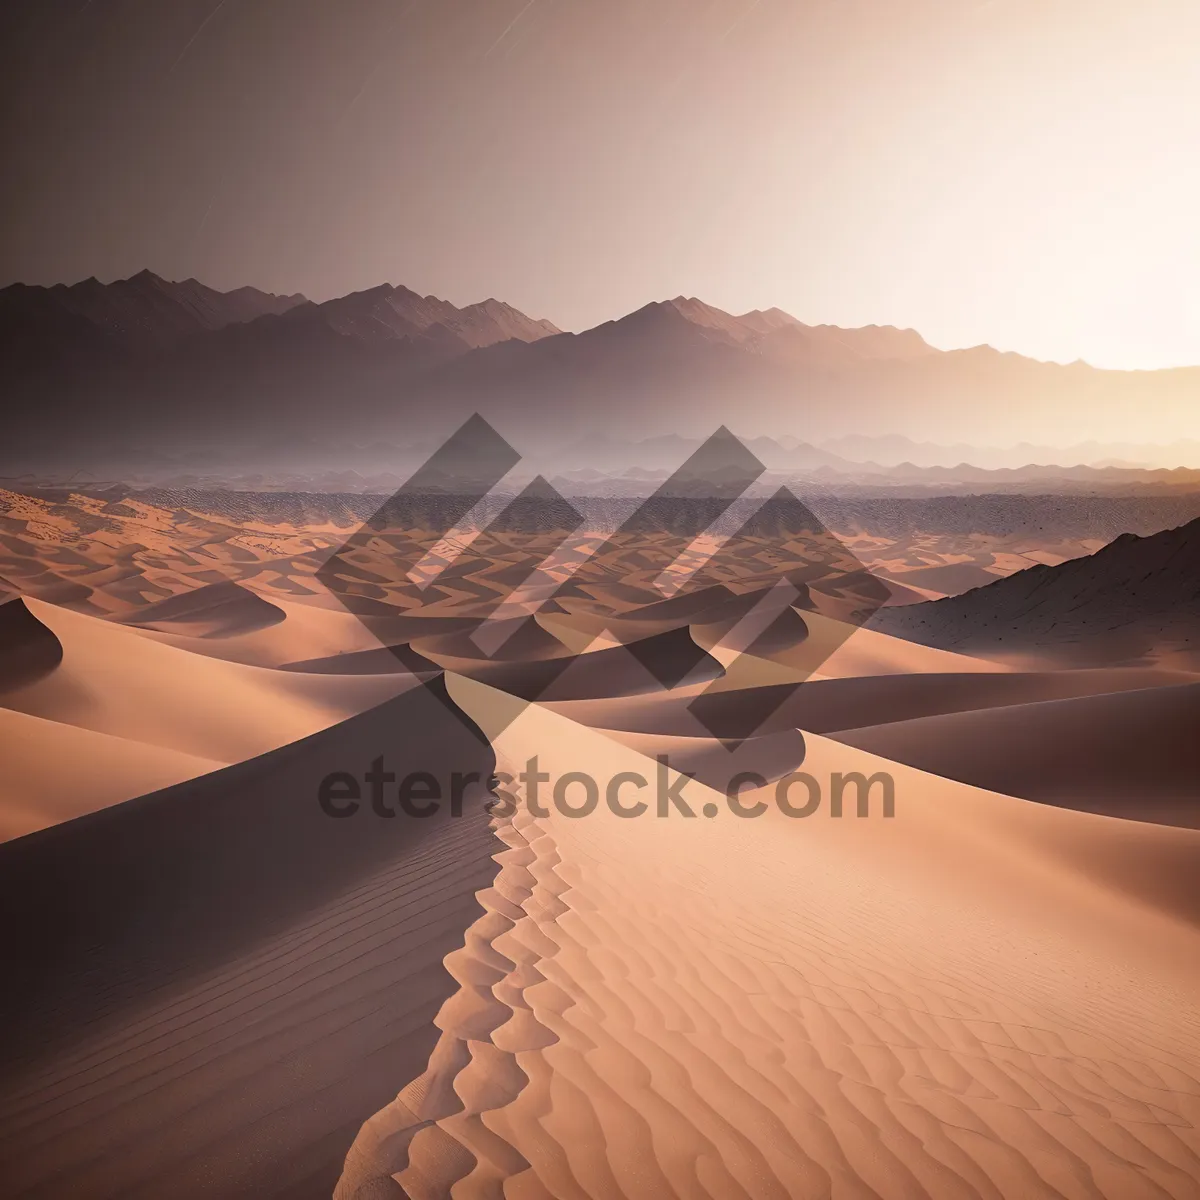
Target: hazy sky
[{"x": 1020, "y": 172}]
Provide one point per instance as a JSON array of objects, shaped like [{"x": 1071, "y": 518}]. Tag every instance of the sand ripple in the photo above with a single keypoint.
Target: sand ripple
[{"x": 733, "y": 1010}]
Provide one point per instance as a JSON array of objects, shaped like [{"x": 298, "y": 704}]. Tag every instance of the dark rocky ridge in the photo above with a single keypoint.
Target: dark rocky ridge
[{"x": 1135, "y": 600}]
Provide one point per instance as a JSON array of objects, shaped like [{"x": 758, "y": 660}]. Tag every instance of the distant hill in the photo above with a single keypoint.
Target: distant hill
[
  {"x": 388, "y": 313},
  {"x": 1137, "y": 600},
  {"x": 143, "y": 312},
  {"x": 145, "y": 362}
]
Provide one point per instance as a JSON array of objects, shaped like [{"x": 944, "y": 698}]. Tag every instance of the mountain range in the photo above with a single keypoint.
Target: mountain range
[{"x": 148, "y": 362}]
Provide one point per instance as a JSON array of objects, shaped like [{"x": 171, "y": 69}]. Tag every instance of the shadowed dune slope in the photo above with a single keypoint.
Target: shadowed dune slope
[
  {"x": 215, "y": 610},
  {"x": 28, "y": 649},
  {"x": 308, "y": 630},
  {"x": 1130, "y": 754},
  {"x": 638, "y": 667},
  {"x": 209, "y": 988},
  {"x": 520, "y": 640},
  {"x": 828, "y": 705},
  {"x": 383, "y": 660}
]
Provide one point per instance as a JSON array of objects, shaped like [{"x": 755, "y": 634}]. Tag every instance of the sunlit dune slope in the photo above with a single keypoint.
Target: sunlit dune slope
[
  {"x": 975, "y": 997},
  {"x": 113, "y": 680},
  {"x": 53, "y": 772},
  {"x": 307, "y": 630},
  {"x": 213, "y": 610}
]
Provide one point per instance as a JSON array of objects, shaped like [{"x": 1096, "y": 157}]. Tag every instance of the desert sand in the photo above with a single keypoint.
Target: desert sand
[
  {"x": 119, "y": 714},
  {"x": 221, "y": 991},
  {"x": 209, "y": 988},
  {"x": 1129, "y": 753},
  {"x": 977, "y": 997}
]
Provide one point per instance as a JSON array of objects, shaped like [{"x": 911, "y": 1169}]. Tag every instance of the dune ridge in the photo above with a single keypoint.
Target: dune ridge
[
  {"x": 113, "y": 680},
  {"x": 212, "y": 986},
  {"x": 772, "y": 1009}
]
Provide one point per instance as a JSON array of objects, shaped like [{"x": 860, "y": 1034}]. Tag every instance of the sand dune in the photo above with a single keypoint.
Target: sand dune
[
  {"x": 907, "y": 593},
  {"x": 94, "y": 713},
  {"x": 829, "y": 705},
  {"x": 770, "y": 756},
  {"x": 923, "y": 1006},
  {"x": 53, "y": 772},
  {"x": 640, "y": 604},
  {"x": 383, "y": 660},
  {"x": 307, "y": 630},
  {"x": 517, "y": 640},
  {"x": 211, "y": 987},
  {"x": 949, "y": 579},
  {"x": 114, "y": 556},
  {"x": 114, "y": 681},
  {"x": 871, "y": 652},
  {"x": 221, "y": 989},
  {"x": 1132, "y": 754},
  {"x": 640, "y": 666},
  {"x": 28, "y": 648},
  {"x": 815, "y": 647},
  {"x": 214, "y": 610}
]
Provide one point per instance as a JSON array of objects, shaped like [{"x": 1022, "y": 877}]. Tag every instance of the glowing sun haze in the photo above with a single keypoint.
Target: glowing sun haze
[{"x": 1019, "y": 172}]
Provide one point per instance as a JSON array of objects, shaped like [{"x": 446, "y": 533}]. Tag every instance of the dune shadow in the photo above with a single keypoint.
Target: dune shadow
[
  {"x": 209, "y": 988},
  {"x": 29, "y": 650}
]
